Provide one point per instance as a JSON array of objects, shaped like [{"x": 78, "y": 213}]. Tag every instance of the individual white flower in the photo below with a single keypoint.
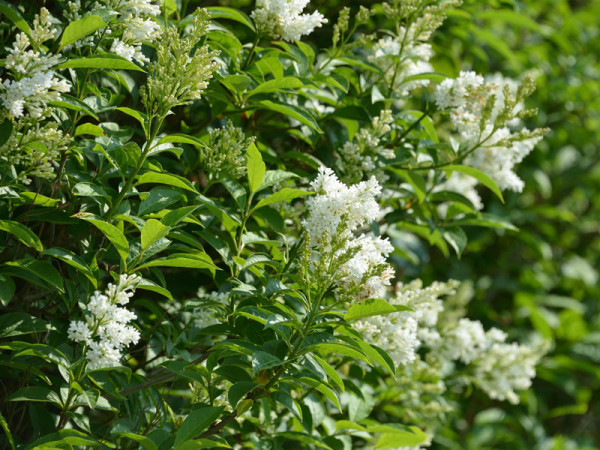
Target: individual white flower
[{"x": 284, "y": 19}]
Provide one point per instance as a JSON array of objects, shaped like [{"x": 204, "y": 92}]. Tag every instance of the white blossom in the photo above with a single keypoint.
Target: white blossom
[
  {"x": 483, "y": 111},
  {"x": 79, "y": 331},
  {"x": 505, "y": 368},
  {"x": 107, "y": 332},
  {"x": 284, "y": 19},
  {"x": 335, "y": 214},
  {"x": 400, "y": 60}
]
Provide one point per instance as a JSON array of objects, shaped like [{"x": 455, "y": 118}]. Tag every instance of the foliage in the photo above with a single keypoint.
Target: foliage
[{"x": 201, "y": 217}]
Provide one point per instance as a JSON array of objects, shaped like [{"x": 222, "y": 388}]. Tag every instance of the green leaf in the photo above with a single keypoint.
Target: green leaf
[
  {"x": 331, "y": 372},
  {"x": 139, "y": 116},
  {"x": 145, "y": 441},
  {"x": 152, "y": 286},
  {"x": 62, "y": 438},
  {"x": 416, "y": 181},
  {"x": 22, "y": 233},
  {"x": 7, "y": 289},
  {"x": 185, "y": 260},
  {"x": 153, "y": 231},
  {"x": 486, "y": 220},
  {"x": 284, "y": 195},
  {"x": 89, "y": 128},
  {"x": 286, "y": 400},
  {"x": 263, "y": 360},
  {"x": 6, "y": 129},
  {"x": 409, "y": 436},
  {"x": 80, "y": 29},
  {"x": 158, "y": 199},
  {"x": 85, "y": 189},
  {"x": 276, "y": 85},
  {"x": 196, "y": 422},
  {"x": 34, "y": 198},
  {"x": 295, "y": 112},
  {"x": 480, "y": 176},
  {"x": 166, "y": 178},
  {"x": 41, "y": 270},
  {"x": 457, "y": 239},
  {"x": 69, "y": 102},
  {"x": 4, "y": 426},
  {"x": 15, "y": 17},
  {"x": 275, "y": 176},
  {"x": 218, "y": 12},
  {"x": 34, "y": 394},
  {"x": 172, "y": 218},
  {"x": 323, "y": 389},
  {"x": 112, "y": 233},
  {"x": 256, "y": 168},
  {"x": 17, "y": 323},
  {"x": 106, "y": 61},
  {"x": 73, "y": 260},
  {"x": 372, "y": 307},
  {"x": 181, "y": 139},
  {"x": 239, "y": 391}
]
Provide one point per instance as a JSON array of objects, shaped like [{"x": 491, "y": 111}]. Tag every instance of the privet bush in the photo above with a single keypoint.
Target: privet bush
[{"x": 205, "y": 223}]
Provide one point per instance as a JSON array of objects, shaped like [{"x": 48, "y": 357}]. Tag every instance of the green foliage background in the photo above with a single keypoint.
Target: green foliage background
[{"x": 544, "y": 276}]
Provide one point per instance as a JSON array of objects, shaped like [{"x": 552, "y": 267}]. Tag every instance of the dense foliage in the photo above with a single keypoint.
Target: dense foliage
[{"x": 282, "y": 225}]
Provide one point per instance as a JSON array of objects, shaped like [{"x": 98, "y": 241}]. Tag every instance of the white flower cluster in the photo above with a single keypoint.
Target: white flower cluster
[
  {"x": 284, "y": 19},
  {"x": 484, "y": 112},
  {"x": 135, "y": 25},
  {"x": 401, "y": 57},
  {"x": 335, "y": 213},
  {"x": 499, "y": 368},
  {"x": 400, "y": 334},
  {"x": 105, "y": 331},
  {"x": 364, "y": 155},
  {"x": 34, "y": 84}
]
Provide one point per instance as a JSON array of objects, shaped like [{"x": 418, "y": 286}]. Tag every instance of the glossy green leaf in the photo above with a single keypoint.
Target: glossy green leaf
[
  {"x": 81, "y": 28},
  {"x": 15, "y": 17},
  {"x": 22, "y": 233},
  {"x": 112, "y": 233},
  {"x": 152, "y": 232},
  {"x": 256, "y": 168},
  {"x": 295, "y": 112},
  {"x": 195, "y": 423},
  {"x": 167, "y": 179},
  {"x": 105, "y": 61},
  {"x": 219, "y": 12},
  {"x": 18, "y": 323},
  {"x": 372, "y": 307},
  {"x": 480, "y": 176},
  {"x": 276, "y": 85},
  {"x": 262, "y": 360},
  {"x": 283, "y": 195}
]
